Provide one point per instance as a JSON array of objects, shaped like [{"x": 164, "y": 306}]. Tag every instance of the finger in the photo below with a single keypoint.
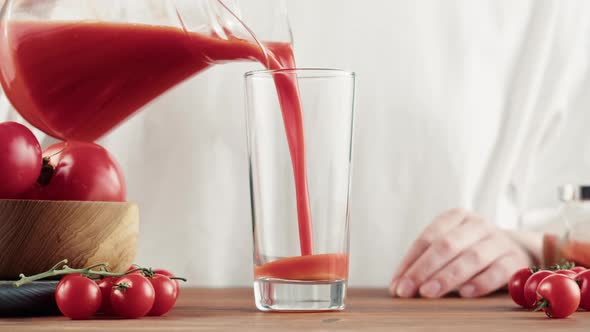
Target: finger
[
  {"x": 440, "y": 226},
  {"x": 446, "y": 248},
  {"x": 493, "y": 277},
  {"x": 469, "y": 263}
]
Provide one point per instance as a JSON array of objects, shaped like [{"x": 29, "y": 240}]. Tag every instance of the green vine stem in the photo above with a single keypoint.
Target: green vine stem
[
  {"x": 542, "y": 304},
  {"x": 62, "y": 269},
  {"x": 564, "y": 265},
  {"x": 149, "y": 272},
  {"x": 184, "y": 279}
]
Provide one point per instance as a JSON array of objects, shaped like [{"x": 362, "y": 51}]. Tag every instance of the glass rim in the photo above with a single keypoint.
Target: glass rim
[{"x": 319, "y": 72}]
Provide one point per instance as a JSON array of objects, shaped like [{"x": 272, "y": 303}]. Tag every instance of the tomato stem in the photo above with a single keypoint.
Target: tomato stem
[
  {"x": 55, "y": 154},
  {"x": 62, "y": 269},
  {"x": 178, "y": 278},
  {"x": 122, "y": 286},
  {"x": 149, "y": 272},
  {"x": 47, "y": 172},
  {"x": 564, "y": 265},
  {"x": 543, "y": 304}
]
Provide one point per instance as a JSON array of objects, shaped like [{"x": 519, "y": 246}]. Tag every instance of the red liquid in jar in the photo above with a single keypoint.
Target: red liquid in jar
[{"x": 557, "y": 251}]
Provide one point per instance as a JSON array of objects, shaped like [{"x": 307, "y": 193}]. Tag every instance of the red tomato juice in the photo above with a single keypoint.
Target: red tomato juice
[
  {"x": 79, "y": 80},
  {"x": 556, "y": 251},
  {"x": 313, "y": 267}
]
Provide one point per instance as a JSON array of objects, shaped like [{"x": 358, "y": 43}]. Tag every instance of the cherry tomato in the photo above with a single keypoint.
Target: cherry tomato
[
  {"x": 131, "y": 268},
  {"x": 530, "y": 287},
  {"x": 583, "y": 279},
  {"x": 77, "y": 297},
  {"x": 106, "y": 286},
  {"x": 516, "y": 286},
  {"x": 567, "y": 273},
  {"x": 559, "y": 296},
  {"x": 133, "y": 296},
  {"x": 166, "y": 294},
  {"x": 70, "y": 275},
  {"x": 578, "y": 269},
  {"x": 20, "y": 155},
  {"x": 78, "y": 171},
  {"x": 164, "y": 272},
  {"x": 169, "y": 275}
]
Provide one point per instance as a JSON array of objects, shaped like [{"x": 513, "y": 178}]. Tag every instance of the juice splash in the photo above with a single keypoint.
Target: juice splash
[
  {"x": 557, "y": 251},
  {"x": 79, "y": 80}
]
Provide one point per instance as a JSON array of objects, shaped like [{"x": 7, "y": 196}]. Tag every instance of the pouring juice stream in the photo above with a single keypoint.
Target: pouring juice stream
[{"x": 79, "y": 80}]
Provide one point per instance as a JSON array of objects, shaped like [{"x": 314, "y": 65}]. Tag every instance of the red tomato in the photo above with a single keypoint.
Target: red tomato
[
  {"x": 567, "y": 273},
  {"x": 70, "y": 275},
  {"x": 77, "y": 297},
  {"x": 578, "y": 269},
  {"x": 516, "y": 286},
  {"x": 166, "y": 294},
  {"x": 133, "y": 296},
  {"x": 169, "y": 275},
  {"x": 530, "y": 287},
  {"x": 559, "y": 295},
  {"x": 164, "y": 272},
  {"x": 106, "y": 286},
  {"x": 20, "y": 155},
  {"x": 131, "y": 268},
  {"x": 78, "y": 171},
  {"x": 583, "y": 279}
]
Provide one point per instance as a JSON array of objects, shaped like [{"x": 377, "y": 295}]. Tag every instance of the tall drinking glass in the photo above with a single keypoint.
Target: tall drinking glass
[{"x": 289, "y": 277}]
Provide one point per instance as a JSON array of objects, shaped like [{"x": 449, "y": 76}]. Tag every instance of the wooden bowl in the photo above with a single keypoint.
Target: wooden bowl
[{"x": 34, "y": 235}]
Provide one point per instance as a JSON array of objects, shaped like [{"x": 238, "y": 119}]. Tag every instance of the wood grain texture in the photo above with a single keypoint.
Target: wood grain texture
[
  {"x": 34, "y": 235},
  {"x": 368, "y": 310}
]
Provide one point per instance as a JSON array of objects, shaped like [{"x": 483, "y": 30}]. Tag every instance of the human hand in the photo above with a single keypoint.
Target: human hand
[{"x": 458, "y": 250}]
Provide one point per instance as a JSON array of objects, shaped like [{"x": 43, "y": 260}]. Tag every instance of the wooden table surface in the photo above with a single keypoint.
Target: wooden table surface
[{"x": 367, "y": 310}]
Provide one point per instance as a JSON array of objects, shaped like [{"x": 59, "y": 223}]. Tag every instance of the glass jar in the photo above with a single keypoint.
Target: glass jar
[{"x": 571, "y": 242}]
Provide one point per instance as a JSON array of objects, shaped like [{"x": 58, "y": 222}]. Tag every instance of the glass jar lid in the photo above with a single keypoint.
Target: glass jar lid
[{"x": 574, "y": 192}]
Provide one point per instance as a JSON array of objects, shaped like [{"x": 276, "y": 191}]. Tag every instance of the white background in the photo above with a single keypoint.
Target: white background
[{"x": 479, "y": 104}]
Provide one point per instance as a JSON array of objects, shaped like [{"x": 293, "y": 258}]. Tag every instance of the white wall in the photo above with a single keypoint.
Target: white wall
[{"x": 435, "y": 87}]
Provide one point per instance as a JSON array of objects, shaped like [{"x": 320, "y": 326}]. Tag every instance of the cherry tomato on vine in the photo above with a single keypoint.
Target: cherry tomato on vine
[
  {"x": 132, "y": 268},
  {"x": 78, "y": 171},
  {"x": 164, "y": 272},
  {"x": 578, "y": 269},
  {"x": 516, "y": 286},
  {"x": 20, "y": 155},
  {"x": 77, "y": 297},
  {"x": 558, "y": 296},
  {"x": 583, "y": 279},
  {"x": 70, "y": 276},
  {"x": 169, "y": 275},
  {"x": 166, "y": 294},
  {"x": 530, "y": 287},
  {"x": 568, "y": 273},
  {"x": 133, "y": 296},
  {"x": 106, "y": 286}
]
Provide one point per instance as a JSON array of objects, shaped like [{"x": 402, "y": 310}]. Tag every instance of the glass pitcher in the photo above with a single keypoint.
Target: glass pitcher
[
  {"x": 75, "y": 69},
  {"x": 570, "y": 241}
]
